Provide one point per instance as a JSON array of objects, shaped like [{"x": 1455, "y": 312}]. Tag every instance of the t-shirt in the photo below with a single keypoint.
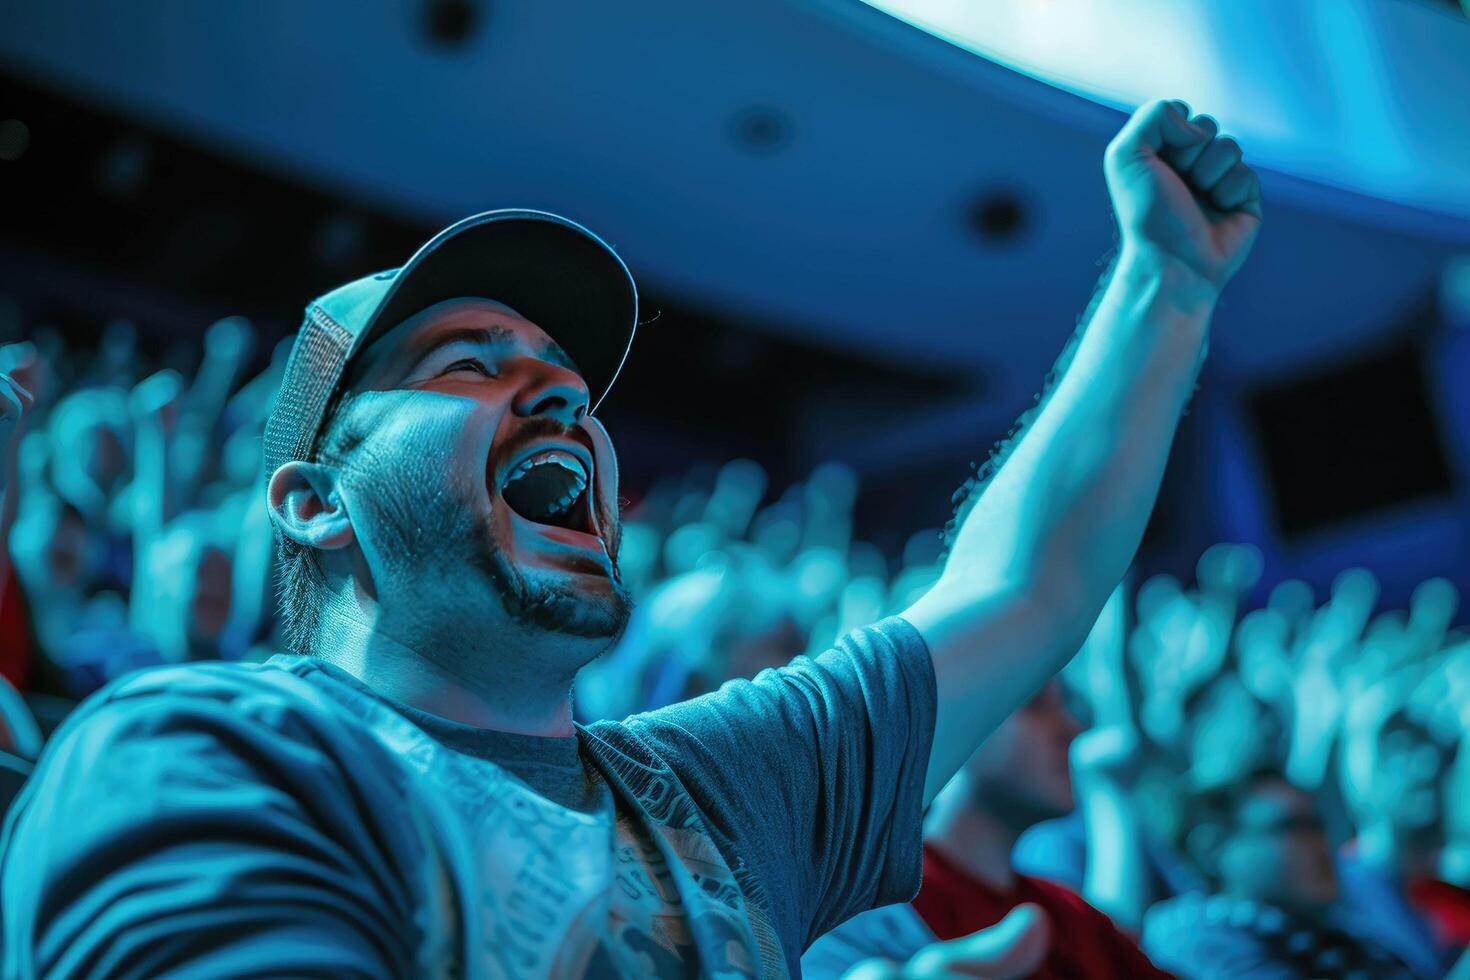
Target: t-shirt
[
  {"x": 284, "y": 819},
  {"x": 952, "y": 903},
  {"x": 1216, "y": 937}
]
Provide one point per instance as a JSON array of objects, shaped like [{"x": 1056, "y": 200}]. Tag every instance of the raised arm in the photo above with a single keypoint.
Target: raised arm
[
  {"x": 228, "y": 345},
  {"x": 1036, "y": 551}
]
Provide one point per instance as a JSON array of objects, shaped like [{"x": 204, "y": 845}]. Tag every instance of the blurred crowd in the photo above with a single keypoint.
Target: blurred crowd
[
  {"x": 135, "y": 524},
  {"x": 1235, "y": 778}
]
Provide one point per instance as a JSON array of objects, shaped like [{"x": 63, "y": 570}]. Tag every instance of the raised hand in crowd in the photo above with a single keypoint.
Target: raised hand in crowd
[{"x": 1012, "y": 948}]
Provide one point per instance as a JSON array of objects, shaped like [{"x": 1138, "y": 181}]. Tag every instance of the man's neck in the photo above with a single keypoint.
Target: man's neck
[
  {"x": 973, "y": 839},
  {"x": 415, "y": 674}
]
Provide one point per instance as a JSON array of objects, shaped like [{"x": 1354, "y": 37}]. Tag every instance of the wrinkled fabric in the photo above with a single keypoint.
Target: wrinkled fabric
[{"x": 283, "y": 819}]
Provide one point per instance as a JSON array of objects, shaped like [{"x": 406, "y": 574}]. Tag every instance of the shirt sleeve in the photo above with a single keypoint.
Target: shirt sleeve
[
  {"x": 205, "y": 835},
  {"x": 815, "y": 772}
]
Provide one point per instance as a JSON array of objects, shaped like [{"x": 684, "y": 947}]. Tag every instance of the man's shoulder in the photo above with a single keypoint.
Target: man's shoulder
[
  {"x": 238, "y": 776},
  {"x": 183, "y": 737},
  {"x": 215, "y": 696},
  {"x": 216, "y": 680}
]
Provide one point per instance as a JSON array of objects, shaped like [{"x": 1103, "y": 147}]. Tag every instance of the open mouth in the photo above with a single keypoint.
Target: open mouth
[{"x": 551, "y": 487}]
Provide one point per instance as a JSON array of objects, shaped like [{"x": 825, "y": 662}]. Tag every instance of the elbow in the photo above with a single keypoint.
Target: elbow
[{"x": 1047, "y": 605}]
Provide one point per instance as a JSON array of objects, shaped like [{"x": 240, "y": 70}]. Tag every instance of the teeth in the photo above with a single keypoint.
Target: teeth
[
  {"x": 574, "y": 474},
  {"x": 558, "y": 457}
]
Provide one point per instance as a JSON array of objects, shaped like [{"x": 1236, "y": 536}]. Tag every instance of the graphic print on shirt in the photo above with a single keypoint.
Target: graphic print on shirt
[{"x": 570, "y": 894}]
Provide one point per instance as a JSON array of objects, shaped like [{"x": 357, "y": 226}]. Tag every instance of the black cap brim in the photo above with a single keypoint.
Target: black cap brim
[{"x": 554, "y": 272}]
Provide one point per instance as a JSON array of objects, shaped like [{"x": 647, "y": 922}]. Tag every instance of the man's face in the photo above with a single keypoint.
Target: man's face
[
  {"x": 473, "y": 478},
  {"x": 1279, "y": 852},
  {"x": 1021, "y": 772}
]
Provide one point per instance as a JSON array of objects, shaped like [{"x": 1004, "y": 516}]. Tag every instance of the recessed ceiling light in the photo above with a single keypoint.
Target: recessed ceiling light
[
  {"x": 451, "y": 23},
  {"x": 761, "y": 129},
  {"x": 999, "y": 215}
]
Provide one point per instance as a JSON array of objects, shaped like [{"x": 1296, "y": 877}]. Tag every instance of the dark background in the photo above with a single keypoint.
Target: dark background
[{"x": 1330, "y": 427}]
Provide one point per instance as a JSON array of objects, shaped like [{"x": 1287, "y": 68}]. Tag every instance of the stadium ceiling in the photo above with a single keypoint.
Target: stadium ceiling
[{"x": 822, "y": 167}]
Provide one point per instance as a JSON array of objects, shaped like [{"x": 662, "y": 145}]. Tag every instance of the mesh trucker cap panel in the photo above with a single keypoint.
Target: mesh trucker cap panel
[
  {"x": 311, "y": 375},
  {"x": 355, "y": 305}
]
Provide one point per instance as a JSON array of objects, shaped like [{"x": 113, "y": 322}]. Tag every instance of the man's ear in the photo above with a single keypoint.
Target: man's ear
[{"x": 306, "y": 505}]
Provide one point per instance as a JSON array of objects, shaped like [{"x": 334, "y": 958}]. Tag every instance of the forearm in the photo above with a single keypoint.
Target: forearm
[
  {"x": 1049, "y": 537},
  {"x": 1032, "y": 563},
  {"x": 1063, "y": 516}
]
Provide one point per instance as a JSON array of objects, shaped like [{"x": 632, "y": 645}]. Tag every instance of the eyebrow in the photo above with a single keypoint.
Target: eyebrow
[{"x": 495, "y": 335}]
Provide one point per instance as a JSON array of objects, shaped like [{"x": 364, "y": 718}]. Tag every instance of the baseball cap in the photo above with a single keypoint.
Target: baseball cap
[{"x": 549, "y": 269}]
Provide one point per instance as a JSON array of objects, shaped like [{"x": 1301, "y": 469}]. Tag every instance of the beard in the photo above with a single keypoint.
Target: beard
[
  {"x": 556, "y": 607},
  {"x": 426, "y": 531}
]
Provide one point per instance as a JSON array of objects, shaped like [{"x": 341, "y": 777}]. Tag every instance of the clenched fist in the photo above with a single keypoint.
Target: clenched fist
[{"x": 1181, "y": 192}]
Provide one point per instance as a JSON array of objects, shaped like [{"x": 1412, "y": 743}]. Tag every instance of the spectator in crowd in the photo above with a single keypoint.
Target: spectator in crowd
[
  {"x": 1262, "y": 845},
  {"x": 1018, "y": 777},
  {"x": 134, "y": 539},
  {"x": 1287, "y": 688}
]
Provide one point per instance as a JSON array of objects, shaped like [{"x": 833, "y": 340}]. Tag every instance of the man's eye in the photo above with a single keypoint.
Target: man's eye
[{"x": 469, "y": 364}]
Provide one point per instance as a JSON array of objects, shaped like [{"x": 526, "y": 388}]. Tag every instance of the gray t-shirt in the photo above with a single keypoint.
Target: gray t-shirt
[{"x": 284, "y": 819}]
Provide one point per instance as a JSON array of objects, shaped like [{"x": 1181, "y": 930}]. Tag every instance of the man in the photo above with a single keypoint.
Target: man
[
  {"x": 1262, "y": 845},
  {"x": 1017, "y": 778},
  {"x": 413, "y": 798}
]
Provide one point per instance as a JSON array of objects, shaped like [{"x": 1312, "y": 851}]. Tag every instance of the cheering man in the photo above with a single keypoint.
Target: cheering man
[{"x": 408, "y": 795}]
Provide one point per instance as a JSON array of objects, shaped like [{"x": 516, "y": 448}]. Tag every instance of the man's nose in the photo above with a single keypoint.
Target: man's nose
[{"x": 551, "y": 390}]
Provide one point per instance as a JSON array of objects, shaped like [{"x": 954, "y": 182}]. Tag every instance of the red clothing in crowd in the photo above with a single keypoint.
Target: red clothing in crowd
[
  {"x": 1446, "y": 906},
  {"x": 1085, "y": 943},
  {"x": 16, "y": 657}
]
